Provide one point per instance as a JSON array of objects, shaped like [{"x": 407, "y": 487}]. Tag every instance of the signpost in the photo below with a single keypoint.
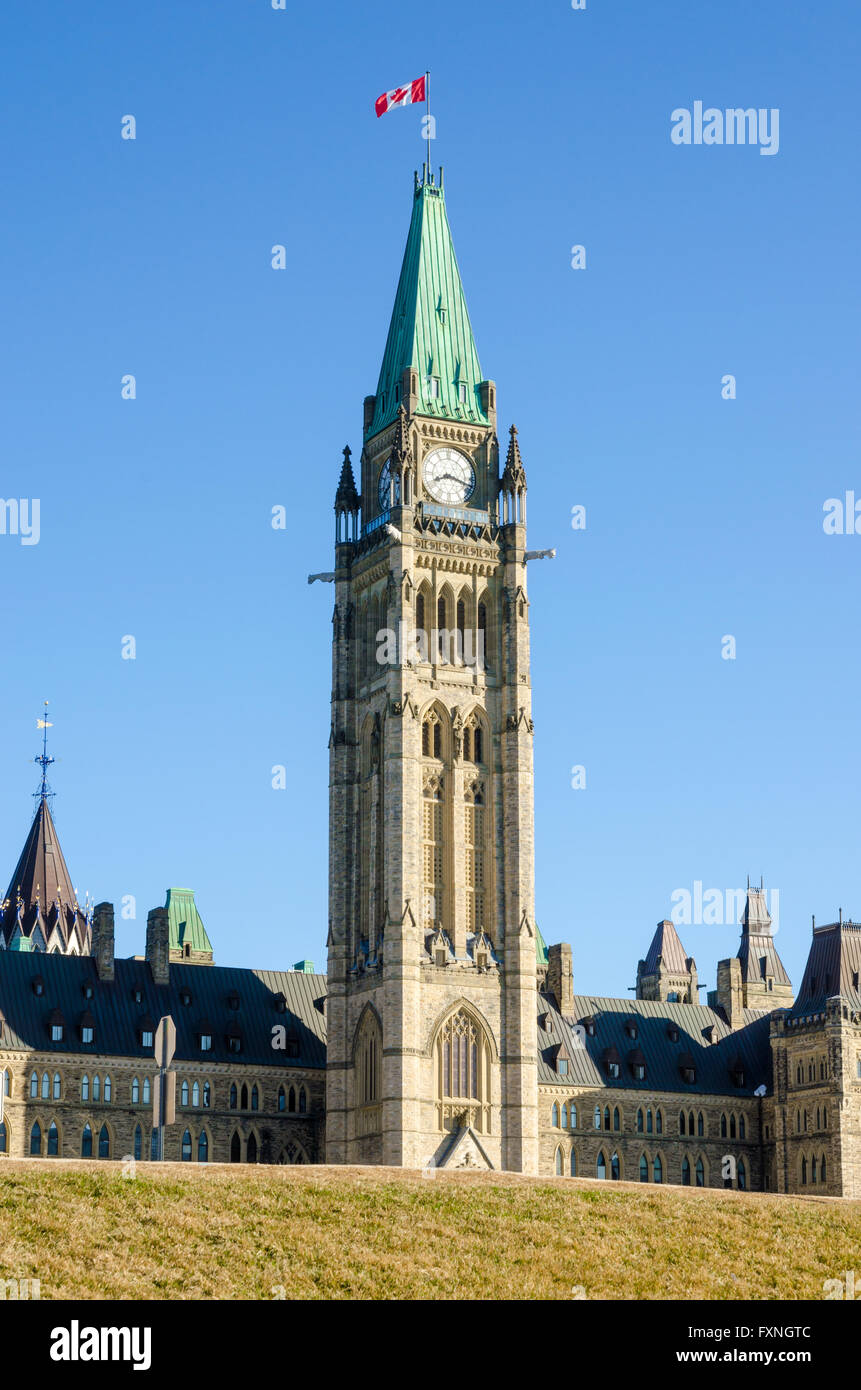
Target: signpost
[{"x": 164, "y": 1091}]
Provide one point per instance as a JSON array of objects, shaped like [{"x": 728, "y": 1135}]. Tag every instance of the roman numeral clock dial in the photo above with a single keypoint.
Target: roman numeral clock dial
[{"x": 449, "y": 477}]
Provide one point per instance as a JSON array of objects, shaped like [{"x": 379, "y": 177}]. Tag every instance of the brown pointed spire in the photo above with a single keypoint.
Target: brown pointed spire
[
  {"x": 41, "y": 892},
  {"x": 346, "y": 498},
  {"x": 514, "y": 474},
  {"x": 401, "y": 451}
]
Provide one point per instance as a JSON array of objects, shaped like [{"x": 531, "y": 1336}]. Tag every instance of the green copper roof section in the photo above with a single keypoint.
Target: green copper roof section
[
  {"x": 186, "y": 926},
  {"x": 430, "y": 328}
]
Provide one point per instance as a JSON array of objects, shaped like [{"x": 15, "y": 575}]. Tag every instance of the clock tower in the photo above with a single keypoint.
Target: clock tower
[{"x": 432, "y": 1004}]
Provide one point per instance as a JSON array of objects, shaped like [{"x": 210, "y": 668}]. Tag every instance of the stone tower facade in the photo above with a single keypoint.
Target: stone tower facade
[{"x": 432, "y": 1050}]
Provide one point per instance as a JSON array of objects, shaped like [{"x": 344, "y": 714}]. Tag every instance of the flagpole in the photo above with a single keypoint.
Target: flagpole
[{"x": 427, "y": 116}]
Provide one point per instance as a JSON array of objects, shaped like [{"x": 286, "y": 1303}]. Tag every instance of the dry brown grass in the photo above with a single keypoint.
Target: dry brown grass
[{"x": 183, "y": 1231}]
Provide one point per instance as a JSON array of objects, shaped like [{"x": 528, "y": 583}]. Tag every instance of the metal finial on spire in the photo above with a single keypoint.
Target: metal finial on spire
[{"x": 43, "y": 760}]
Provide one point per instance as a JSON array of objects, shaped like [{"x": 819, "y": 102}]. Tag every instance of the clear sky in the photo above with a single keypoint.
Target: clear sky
[{"x": 704, "y": 515}]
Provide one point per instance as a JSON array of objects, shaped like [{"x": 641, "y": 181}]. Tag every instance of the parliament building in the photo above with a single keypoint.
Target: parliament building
[{"x": 445, "y": 1032}]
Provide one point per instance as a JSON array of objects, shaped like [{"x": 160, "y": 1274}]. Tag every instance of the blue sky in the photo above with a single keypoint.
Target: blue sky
[{"x": 704, "y": 516}]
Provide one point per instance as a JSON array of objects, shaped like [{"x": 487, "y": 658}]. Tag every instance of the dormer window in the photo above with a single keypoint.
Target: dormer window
[
  {"x": 205, "y": 1042},
  {"x": 234, "y": 1044},
  {"x": 433, "y": 388},
  {"x": 589, "y": 1025},
  {"x": 613, "y": 1070},
  {"x": 38, "y": 985},
  {"x": 146, "y": 1032},
  {"x": 673, "y": 1034},
  {"x": 233, "y": 1000},
  {"x": 631, "y": 1028},
  {"x": 280, "y": 1004},
  {"x": 57, "y": 1026},
  {"x": 87, "y": 1027},
  {"x": 562, "y": 1066},
  {"x": 185, "y": 997},
  {"x": 291, "y": 1045},
  {"x": 87, "y": 991},
  {"x": 137, "y": 996},
  {"x": 461, "y": 392}
]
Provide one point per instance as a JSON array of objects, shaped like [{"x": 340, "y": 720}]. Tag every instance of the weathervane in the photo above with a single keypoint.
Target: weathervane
[{"x": 43, "y": 760}]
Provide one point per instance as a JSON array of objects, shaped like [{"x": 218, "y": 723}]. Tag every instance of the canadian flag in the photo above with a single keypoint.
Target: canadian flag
[{"x": 401, "y": 96}]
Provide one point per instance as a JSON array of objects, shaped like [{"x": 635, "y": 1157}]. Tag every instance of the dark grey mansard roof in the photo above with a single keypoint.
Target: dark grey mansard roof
[
  {"x": 118, "y": 1016},
  {"x": 714, "y": 1061}
]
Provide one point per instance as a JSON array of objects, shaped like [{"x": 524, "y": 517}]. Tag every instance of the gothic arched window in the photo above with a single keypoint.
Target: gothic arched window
[
  {"x": 36, "y": 1140},
  {"x": 195, "y": 1094},
  {"x": 291, "y": 1100},
  {"x": 235, "y": 1148},
  {"x": 46, "y": 1086},
  {"x": 573, "y": 1164},
  {"x": 282, "y": 1099},
  {"x": 559, "y": 1163},
  {"x": 303, "y": 1100},
  {"x": 138, "y": 1144},
  {"x": 700, "y": 1173},
  {"x": 659, "y": 1122},
  {"x": 136, "y": 1090},
  {"x": 185, "y": 1151},
  {"x": 554, "y": 1116},
  {"x": 251, "y": 1149},
  {"x": 657, "y": 1169},
  {"x": 463, "y": 1058},
  {"x": 57, "y": 1085},
  {"x": 742, "y": 1127},
  {"x": 243, "y": 1097},
  {"x": 53, "y": 1138},
  {"x": 639, "y": 1122},
  {"x": 644, "y": 1168},
  {"x": 203, "y": 1147},
  {"x": 183, "y": 1093},
  {"x": 233, "y": 1095},
  {"x": 255, "y": 1097},
  {"x": 686, "y": 1171},
  {"x": 87, "y": 1142},
  {"x": 147, "y": 1091},
  {"x": 104, "y": 1142},
  {"x": 601, "y": 1165}
]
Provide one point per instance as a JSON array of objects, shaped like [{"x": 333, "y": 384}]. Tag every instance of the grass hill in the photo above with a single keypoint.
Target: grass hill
[{"x": 183, "y": 1231}]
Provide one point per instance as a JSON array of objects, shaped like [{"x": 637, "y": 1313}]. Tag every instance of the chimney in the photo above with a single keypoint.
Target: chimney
[
  {"x": 560, "y": 976},
  {"x": 729, "y": 990},
  {"x": 103, "y": 940},
  {"x": 158, "y": 943}
]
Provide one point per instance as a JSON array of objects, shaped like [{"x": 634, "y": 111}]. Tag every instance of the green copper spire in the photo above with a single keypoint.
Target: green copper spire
[
  {"x": 430, "y": 330},
  {"x": 188, "y": 936}
]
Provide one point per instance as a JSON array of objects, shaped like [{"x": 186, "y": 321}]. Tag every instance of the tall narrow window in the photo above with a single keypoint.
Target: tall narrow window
[
  {"x": 85, "y": 1087},
  {"x": 433, "y": 811},
  {"x": 243, "y": 1099},
  {"x": 3, "y": 1137},
  {"x": 136, "y": 1091},
  {"x": 235, "y": 1148},
  {"x": 475, "y": 856},
  {"x": 46, "y": 1086},
  {"x": 195, "y": 1094},
  {"x": 303, "y": 1100},
  {"x": 104, "y": 1142},
  {"x": 233, "y": 1095},
  {"x": 203, "y": 1147},
  {"x": 644, "y": 1168},
  {"x": 87, "y": 1142},
  {"x": 36, "y": 1140},
  {"x": 255, "y": 1097},
  {"x": 97, "y": 1087},
  {"x": 573, "y": 1164},
  {"x": 186, "y": 1147},
  {"x": 657, "y": 1169},
  {"x": 601, "y": 1166},
  {"x": 700, "y": 1173},
  {"x": 282, "y": 1099},
  {"x": 686, "y": 1171},
  {"x": 147, "y": 1090},
  {"x": 53, "y": 1139},
  {"x": 57, "y": 1085},
  {"x": 559, "y": 1163},
  {"x": 138, "y": 1144},
  {"x": 251, "y": 1149}
]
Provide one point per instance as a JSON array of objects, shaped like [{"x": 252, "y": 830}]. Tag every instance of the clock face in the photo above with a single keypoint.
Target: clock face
[
  {"x": 449, "y": 477},
  {"x": 385, "y": 488}
]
